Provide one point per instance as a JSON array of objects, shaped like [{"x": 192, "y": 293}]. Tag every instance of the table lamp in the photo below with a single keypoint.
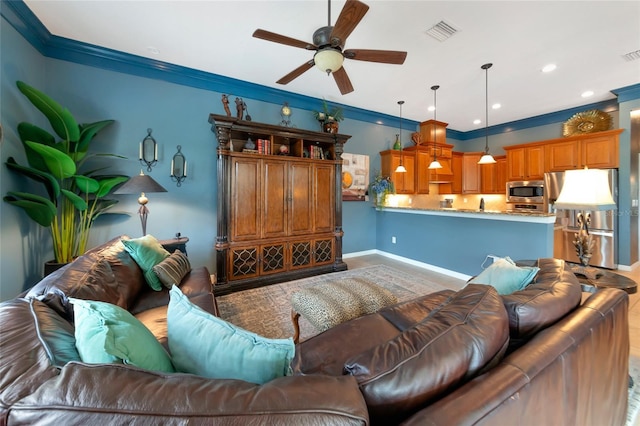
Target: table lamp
[
  {"x": 141, "y": 184},
  {"x": 585, "y": 190}
]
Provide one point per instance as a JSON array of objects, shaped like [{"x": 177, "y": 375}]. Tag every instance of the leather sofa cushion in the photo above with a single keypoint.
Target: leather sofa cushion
[
  {"x": 554, "y": 292},
  {"x": 106, "y": 273},
  {"x": 426, "y": 361},
  {"x": 35, "y": 343}
]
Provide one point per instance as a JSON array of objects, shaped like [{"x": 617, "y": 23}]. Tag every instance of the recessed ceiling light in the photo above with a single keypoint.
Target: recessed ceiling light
[
  {"x": 549, "y": 68},
  {"x": 496, "y": 106},
  {"x": 587, "y": 94},
  {"x": 476, "y": 121},
  {"x": 431, "y": 108},
  {"x": 153, "y": 50}
]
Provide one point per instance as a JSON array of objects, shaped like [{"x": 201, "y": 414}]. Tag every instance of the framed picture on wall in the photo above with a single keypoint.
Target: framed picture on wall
[{"x": 355, "y": 177}]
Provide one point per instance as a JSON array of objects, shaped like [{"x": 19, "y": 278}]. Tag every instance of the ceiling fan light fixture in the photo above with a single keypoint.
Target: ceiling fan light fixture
[{"x": 328, "y": 60}]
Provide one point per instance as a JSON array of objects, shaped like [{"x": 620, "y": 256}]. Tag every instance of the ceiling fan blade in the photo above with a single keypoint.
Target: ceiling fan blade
[
  {"x": 384, "y": 56},
  {"x": 277, "y": 38},
  {"x": 342, "y": 80},
  {"x": 350, "y": 16},
  {"x": 296, "y": 73}
]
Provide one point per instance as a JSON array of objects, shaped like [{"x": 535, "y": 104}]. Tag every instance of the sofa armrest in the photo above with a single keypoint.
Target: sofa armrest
[{"x": 92, "y": 394}]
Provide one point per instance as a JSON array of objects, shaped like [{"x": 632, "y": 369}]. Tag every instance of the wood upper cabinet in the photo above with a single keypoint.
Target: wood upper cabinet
[
  {"x": 471, "y": 172},
  {"x": 525, "y": 163},
  {"x": 423, "y": 159},
  {"x": 494, "y": 176},
  {"x": 390, "y": 160},
  {"x": 457, "y": 169},
  {"x": 279, "y": 216},
  {"x": 594, "y": 150}
]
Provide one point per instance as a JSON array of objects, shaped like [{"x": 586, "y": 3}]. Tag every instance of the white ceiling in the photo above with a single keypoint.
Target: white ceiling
[{"x": 586, "y": 39}]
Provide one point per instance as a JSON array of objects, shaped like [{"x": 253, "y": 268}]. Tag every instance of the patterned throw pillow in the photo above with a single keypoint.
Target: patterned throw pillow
[{"x": 173, "y": 269}]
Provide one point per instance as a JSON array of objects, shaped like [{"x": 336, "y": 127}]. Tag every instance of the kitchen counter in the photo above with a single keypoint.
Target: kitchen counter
[
  {"x": 530, "y": 217},
  {"x": 457, "y": 241}
]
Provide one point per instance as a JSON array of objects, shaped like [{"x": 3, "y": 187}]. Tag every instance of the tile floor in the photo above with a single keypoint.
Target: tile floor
[{"x": 454, "y": 283}]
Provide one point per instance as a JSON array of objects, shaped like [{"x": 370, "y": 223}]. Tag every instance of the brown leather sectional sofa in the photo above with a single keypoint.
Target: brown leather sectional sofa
[{"x": 539, "y": 356}]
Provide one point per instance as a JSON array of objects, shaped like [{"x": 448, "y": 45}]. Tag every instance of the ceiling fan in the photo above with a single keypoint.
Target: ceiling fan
[{"x": 329, "y": 41}]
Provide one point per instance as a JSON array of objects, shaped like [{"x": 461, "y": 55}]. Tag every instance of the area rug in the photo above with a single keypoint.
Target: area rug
[
  {"x": 633, "y": 407},
  {"x": 267, "y": 310}
]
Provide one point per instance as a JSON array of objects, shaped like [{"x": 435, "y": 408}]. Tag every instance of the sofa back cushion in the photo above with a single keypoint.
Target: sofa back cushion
[
  {"x": 554, "y": 292},
  {"x": 106, "y": 273},
  {"x": 426, "y": 361}
]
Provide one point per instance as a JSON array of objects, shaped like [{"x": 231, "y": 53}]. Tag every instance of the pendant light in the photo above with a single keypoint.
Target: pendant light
[
  {"x": 400, "y": 168},
  {"x": 486, "y": 158},
  {"x": 435, "y": 164}
]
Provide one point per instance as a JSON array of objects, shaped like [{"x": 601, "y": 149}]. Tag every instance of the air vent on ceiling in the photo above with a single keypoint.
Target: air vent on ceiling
[
  {"x": 632, "y": 56},
  {"x": 442, "y": 31}
]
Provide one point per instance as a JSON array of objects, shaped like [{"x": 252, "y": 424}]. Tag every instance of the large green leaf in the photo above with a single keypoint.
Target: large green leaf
[
  {"x": 77, "y": 201},
  {"x": 86, "y": 184},
  {"x": 102, "y": 206},
  {"x": 50, "y": 182},
  {"x": 59, "y": 164},
  {"x": 41, "y": 210},
  {"x": 30, "y": 132},
  {"x": 60, "y": 118},
  {"x": 106, "y": 185},
  {"x": 88, "y": 132}
]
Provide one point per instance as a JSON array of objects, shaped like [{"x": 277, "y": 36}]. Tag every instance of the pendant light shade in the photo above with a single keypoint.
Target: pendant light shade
[
  {"x": 401, "y": 168},
  {"x": 435, "y": 164},
  {"x": 486, "y": 158}
]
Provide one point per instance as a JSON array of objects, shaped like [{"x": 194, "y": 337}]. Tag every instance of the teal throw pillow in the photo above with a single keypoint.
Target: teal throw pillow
[
  {"x": 106, "y": 334},
  {"x": 505, "y": 276},
  {"x": 147, "y": 252},
  {"x": 203, "y": 344}
]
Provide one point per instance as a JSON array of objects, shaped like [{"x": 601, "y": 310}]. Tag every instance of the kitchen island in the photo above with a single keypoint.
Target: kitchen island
[{"x": 458, "y": 241}]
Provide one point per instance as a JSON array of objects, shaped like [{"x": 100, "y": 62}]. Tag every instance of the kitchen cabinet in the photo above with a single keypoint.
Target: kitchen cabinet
[
  {"x": 279, "y": 216},
  {"x": 595, "y": 150},
  {"x": 493, "y": 177},
  {"x": 423, "y": 159},
  {"x": 525, "y": 163},
  {"x": 471, "y": 172},
  {"x": 403, "y": 182},
  {"x": 424, "y": 155},
  {"x": 455, "y": 186}
]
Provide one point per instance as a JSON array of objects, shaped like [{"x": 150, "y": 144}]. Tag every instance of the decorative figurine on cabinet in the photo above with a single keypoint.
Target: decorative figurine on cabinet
[{"x": 225, "y": 104}]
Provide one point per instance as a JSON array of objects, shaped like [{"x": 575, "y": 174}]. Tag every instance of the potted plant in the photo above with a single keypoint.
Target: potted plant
[
  {"x": 379, "y": 188},
  {"x": 69, "y": 198},
  {"x": 329, "y": 117}
]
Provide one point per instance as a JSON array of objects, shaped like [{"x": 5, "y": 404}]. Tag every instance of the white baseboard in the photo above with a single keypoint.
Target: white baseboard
[
  {"x": 629, "y": 268},
  {"x": 423, "y": 265}
]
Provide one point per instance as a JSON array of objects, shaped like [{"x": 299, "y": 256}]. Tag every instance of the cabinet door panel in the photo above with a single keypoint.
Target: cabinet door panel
[
  {"x": 534, "y": 166},
  {"x": 563, "y": 156},
  {"x": 274, "y": 219},
  {"x": 471, "y": 173},
  {"x": 301, "y": 184},
  {"x": 407, "y": 179},
  {"x": 272, "y": 258},
  {"x": 245, "y": 199},
  {"x": 323, "y": 251},
  {"x": 515, "y": 164},
  {"x": 600, "y": 152},
  {"x": 243, "y": 262},
  {"x": 323, "y": 209},
  {"x": 423, "y": 159}
]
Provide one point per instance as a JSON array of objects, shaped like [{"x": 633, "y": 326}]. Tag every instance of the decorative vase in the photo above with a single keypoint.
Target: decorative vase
[
  {"x": 378, "y": 200},
  {"x": 397, "y": 146},
  {"x": 330, "y": 126}
]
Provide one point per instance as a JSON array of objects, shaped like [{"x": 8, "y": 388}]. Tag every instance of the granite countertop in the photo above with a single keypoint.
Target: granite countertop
[{"x": 520, "y": 216}]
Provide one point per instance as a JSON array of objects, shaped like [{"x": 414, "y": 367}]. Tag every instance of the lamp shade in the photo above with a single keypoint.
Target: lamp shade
[
  {"x": 328, "y": 60},
  {"x": 586, "y": 189},
  {"x": 138, "y": 184},
  {"x": 435, "y": 164},
  {"x": 487, "y": 159}
]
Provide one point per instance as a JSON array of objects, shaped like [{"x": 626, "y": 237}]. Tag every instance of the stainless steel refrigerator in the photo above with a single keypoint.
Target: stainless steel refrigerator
[{"x": 603, "y": 226}]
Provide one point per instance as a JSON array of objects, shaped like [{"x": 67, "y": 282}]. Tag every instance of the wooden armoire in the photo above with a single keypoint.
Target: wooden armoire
[{"x": 279, "y": 203}]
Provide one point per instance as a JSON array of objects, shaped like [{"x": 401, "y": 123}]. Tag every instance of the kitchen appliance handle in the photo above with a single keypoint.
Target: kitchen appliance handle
[{"x": 600, "y": 233}]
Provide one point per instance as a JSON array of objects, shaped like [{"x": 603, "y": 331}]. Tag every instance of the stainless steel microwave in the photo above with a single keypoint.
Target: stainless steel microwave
[{"x": 526, "y": 191}]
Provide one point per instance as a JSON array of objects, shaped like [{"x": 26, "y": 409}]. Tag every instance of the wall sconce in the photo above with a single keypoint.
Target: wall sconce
[
  {"x": 178, "y": 167},
  {"x": 148, "y": 151}
]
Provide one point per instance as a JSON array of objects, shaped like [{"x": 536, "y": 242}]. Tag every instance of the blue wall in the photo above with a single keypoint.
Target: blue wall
[{"x": 175, "y": 102}]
